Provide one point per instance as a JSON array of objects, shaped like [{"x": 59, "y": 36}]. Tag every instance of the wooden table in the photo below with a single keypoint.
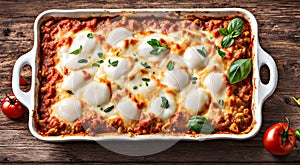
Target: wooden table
[{"x": 278, "y": 24}]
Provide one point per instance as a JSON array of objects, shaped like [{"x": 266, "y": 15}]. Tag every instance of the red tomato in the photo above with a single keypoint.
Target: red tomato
[
  {"x": 22, "y": 81},
  {"x": 279, "y": 139},
  {"x": 12, "y": 107}
]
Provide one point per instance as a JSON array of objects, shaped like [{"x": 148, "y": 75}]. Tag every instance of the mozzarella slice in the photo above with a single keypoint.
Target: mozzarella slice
[
  {"x": 176, "y": 78},
  {"x": 196, "y": 100},
  {"x": 69, "y": 109},
  {"x": 163, "y": 113},
  {"x": 128, "y": 109},
  {"x": 216, "y": 84},
  {"x": 144, "y": 48},
  {"x": 116, "y": 72},
  {"x": 117, "y": 35},
  {"x": 74, "y": 81},
  {"x": 96, "y": 93},
  {"x": 193, "y": 58}
]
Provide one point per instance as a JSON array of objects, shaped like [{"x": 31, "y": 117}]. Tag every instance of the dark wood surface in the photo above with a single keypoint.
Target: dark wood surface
[{"x": 279, "y": 35}]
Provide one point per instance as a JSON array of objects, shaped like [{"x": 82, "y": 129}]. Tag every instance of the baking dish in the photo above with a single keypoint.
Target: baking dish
[{"x": 260, "y": 93}]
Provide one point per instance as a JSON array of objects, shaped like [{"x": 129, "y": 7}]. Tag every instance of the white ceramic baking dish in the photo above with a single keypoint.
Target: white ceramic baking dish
[{"x": 260, "y": 94}]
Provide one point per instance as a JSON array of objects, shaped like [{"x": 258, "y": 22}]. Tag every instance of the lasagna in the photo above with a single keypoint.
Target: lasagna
[{"x": 140, "y": 75}]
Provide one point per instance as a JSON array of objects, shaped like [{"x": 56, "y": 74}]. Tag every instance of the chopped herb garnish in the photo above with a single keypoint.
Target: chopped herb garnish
[
  {"x": 98, "y": 106},
  {"x": 100, "y": 61},
  {"x": 108, "y": 109},
  {"x": 82, "y": 61},
  {"x": 145, "y": 65},
  {"x": 140, "y": 85},
  {"x": 114, "y": 63},
  {"x": 157, "y": 47},
  {"x": 136, "y": 59},
  {"x": 135, "y": 87},
  {"x": 202, "y": 52},
  {"x": 77, "y": 51},
  {"x": 100, "y": 55},
  {"x": 221, "y": 53},
  {"x": 170, "y": 65},
  {"x": 101, "y": 108},
  {"x": 70, "y": 92},
  {"x": 96, "y": 65},
  {"x": 194, "y": 80},
  {"x": 90, "y": 35},
  {"x": 118, "y": 53},
  {"x": 146, "y": 80},
  {"x": 221, "y": 102},
  {"x": 153, "y": 72},
  {"x": 165, "y": 103},
  {"x": 119, "y": 87}
]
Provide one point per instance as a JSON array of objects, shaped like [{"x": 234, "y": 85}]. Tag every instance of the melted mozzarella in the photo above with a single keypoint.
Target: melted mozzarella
[
  {"x": 193, "y": 58},
  {"x": 161, "y": 112},
  {"x": 74, "y": 81},
  {"x": 117, "y": 35},
  {"x": 196, "y": 100},
  {"x": 116, "y": 72},
  {"x": 216, "y": 84},
  {"x": 128, "y": 109},
  {"x": 176, "y": 78},
  {"x": 144, "y": 48},
  {"x": 90, "y": 48},
  {"x": 69, "y": 109},
  {"x": 96, "y": 93}
]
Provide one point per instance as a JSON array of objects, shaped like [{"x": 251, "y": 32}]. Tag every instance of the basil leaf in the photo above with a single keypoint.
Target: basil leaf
[
  {"x": 82, "y": 61},
  {"x": 114, "y": 63},
  {"x": 90, "y": 35},
  {"x": 154, "y": 43},
  {"x": 200, "y": 124},
  {"x": 158, "y": 50},
  {"x": 77, "y": 51},
  {"x": 235, "y": 27},
  {"x": 227, "y": 41},
  {"x": 96, "y": 65},
  {"x": 239, "y": 70},
  {"x": 170, "y": 65},
  {"x": 165, "y": 103},
  {"x": 108, "y": 109},
  {"x": 296, "y": 100},
  {"x": 157, "y": 47},
  {"x": 223, "y": 31},
  {"x": 70, "y": 92},
  {"x": 202, "y": 52},
  {"x": 100, "y": 55},
  {"x": 145, "y": 65},
  {"x": 221, "y": 102},
  {"x": 221, "y": 53}
]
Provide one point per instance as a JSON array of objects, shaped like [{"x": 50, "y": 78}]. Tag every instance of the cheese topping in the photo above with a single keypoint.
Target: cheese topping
[{"x": 130, "y": 80}]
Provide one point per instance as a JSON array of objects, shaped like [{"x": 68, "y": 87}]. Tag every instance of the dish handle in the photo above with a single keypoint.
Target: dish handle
[
  {"x": 265, "y": 90},
  {"x": 26, "y": 98}
]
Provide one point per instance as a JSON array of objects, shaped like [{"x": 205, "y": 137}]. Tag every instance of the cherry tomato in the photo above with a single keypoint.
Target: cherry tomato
[
  {"x": 22, "y": 81},
  {"x": 279, "y": 139},
  {"x": 12, "y": 107}
]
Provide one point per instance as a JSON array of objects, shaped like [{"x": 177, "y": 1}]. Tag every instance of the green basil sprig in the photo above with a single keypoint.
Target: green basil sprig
[
  {"x": 234, "y": 29},
  {"x": 239, "y": 70},
  {"x": 157, "y": 47},
  {"x": 200, "y": 124}
]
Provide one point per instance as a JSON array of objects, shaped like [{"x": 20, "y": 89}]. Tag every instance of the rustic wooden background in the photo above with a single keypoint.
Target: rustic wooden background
[{"x": 279, "y": 35}]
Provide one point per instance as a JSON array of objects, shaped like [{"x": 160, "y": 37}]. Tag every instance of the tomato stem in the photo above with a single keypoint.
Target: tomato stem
[
  {"x": 285, "y": 133},
  {"x": 11, "y": 101}
]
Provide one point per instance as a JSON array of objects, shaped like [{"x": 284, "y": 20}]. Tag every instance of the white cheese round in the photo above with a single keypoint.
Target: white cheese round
[
  {"x": 118, "y": 71},
  {"x": 193, "y": 58},
  {"x": 128, "y": 109},
  {"x": 176, "y": 78},
  {"x": 157, "y": 109},
  {"x": 195, "y": 100},
  {"x": 216, "y": 84},
  {"x": 117, "y": 35},
  {"x": 96, "y": 93},
  {"x": 69, "y": 109}
]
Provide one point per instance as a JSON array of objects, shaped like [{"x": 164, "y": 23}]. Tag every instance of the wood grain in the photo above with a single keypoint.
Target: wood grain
[{"x": 278, "y": 24}]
